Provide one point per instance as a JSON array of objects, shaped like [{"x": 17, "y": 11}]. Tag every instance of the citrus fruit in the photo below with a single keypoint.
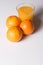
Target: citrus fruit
[
  {"x": 27, "y": 27},
  {"x": 14, "y": 34},
  {"x": 12, "y": 21}
]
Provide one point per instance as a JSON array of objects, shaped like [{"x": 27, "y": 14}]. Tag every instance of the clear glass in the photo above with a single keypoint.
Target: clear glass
[{"x": 23, "y": 14}]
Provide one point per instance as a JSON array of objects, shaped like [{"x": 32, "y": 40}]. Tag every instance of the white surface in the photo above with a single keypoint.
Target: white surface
[{"x": 29, "y": 51}]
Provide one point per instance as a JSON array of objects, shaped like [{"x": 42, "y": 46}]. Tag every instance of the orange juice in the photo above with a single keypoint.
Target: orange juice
[{"x": 26, "y": 12}]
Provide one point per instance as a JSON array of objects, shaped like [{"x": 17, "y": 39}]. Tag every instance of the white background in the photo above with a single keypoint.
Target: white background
[{"x": 29, "y": 51}]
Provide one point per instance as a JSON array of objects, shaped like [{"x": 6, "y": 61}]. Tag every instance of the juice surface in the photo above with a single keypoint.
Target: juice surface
[{"x": 25, "y": 12}]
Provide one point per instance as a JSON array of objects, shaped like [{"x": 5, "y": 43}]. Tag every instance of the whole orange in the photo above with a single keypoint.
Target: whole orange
[
  {"x": 12, "y": 21},
  {"x": 27, "y": 27},
  {"x": 14, "y": 34}
]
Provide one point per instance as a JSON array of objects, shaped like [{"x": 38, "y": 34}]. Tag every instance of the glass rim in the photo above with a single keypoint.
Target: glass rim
[{"x": 25, "y": 4}]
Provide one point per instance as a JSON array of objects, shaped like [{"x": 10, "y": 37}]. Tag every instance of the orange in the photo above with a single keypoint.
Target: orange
[
  {"x": 14, "y": 34},
  {"x": 27, "y": 27},
  {"x": 12, "y": 21}
]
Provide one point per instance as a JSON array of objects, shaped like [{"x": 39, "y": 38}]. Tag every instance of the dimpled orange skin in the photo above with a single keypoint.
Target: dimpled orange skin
[
  {"x": 12, "y": 21},
  {"x": 14, "y": 34},
  {"x": 27, "y": 27}
]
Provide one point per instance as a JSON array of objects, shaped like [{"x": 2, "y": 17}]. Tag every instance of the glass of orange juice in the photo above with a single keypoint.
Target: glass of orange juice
[{"x": 25, "y": 11}]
